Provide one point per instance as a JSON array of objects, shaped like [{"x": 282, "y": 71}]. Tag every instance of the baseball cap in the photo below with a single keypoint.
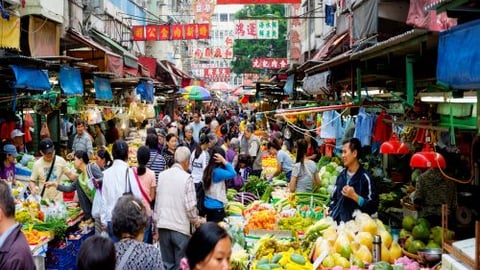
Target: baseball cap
[
  {"x": 10, "y": 149},
  {"x": 46, "y": 146},
  {"x": 16, "y": 133}
]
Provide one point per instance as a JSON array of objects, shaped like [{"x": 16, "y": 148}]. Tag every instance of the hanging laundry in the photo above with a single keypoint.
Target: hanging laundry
[
  {"x": 364, "y": 127},
  {"x": 383, "y": 131},
  {"x": 331, "y": 125},
  {"x": 330, "y": 14}
]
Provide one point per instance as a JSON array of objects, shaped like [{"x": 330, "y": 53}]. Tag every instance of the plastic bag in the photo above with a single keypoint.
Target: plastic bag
[
  {"x": 28, "y": 121},
  {"x": 44, "y": 132}
]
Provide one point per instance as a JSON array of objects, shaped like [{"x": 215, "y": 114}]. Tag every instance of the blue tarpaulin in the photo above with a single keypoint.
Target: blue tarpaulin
[
  {"x": 103, "y": 89},
  {"x": 30, "y": 78},
  {"x": 145, "y": 90},
  {"x": 459, "y": 56},
  {"x": 71, "y": 81}
]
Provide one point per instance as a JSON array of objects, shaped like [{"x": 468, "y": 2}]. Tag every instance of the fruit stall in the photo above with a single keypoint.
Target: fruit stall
[
  {"x": 54, "y": 229},
  {"x": 272, "y": 228}
]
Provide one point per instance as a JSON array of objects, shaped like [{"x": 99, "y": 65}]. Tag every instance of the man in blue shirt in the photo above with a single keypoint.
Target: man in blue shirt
[
  {"x": 284, "y": 161},
  {"x": 354, "y": 189}
]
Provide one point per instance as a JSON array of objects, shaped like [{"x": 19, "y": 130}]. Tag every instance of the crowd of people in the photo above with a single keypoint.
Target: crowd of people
[{"x": 133, "y": 207}]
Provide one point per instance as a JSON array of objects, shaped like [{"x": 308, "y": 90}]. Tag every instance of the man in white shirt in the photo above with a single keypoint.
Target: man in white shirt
[
  {"x": 117, "y": 180},
  {"x": 175, "y": 209}
]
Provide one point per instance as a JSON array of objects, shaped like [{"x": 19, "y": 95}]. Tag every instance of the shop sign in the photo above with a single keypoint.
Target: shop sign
[
  {"x": 269, "y": 63},
  {"x": 256, "y": 29},
  {"x": 209, "y": 53},
  {"x": 153, "y": 32},
  {"x": 317, "y": 84},
  {"x": 203, "y": 9},
  {"x": 211, "y": 72}
]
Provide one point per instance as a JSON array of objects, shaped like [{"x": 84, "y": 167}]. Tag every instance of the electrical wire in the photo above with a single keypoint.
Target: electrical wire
[{"x": 472, "y": 168}]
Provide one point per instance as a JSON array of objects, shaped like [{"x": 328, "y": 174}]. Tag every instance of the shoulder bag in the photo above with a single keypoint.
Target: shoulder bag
[{"x": 48, "y": 175}]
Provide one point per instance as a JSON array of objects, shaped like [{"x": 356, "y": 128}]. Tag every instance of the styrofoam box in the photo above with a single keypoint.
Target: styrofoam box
[
  {"x": 450, "y": 263},
  {"x": 467, "y": 246}
]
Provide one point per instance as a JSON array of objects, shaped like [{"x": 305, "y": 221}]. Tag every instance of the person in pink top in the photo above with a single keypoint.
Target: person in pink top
[{"x": 147, "y": 183}]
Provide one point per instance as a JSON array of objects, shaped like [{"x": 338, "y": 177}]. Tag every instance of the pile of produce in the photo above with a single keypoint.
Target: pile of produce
[
  {"x": 239, "y": 260},
  {"x": 417, "y": 234},
  {"x": 296, "y": 223},
  {"x": 328, "y": 170},
  {"x": 260, "y": 216},
  {"x": 351, "y": 243},
  {"x": 271, "y": 253},
  {"x": 255, "y": 185}
]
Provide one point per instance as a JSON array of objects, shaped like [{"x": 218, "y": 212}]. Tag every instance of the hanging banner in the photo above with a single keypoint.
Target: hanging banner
[
  {"x": 319, "y": 83},
  {"x": 30, "y": 78},
  {"x": 164, "y": 31},
  {"x": 103, "y": 89},
  {"x": 256, "y": 29},
  {"x": 190, "y": 31},
  {"x": 152, "y": 32},
  {"x": 138, "y": 32},
  {"x": 171, "y": 32},
  {"x": 10, "y": 32},
  {"x": 269, "y": 63},
  {"x": 70, "y": 81}
]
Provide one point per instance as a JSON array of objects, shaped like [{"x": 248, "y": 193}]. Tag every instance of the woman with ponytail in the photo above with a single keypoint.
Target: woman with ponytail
[{"x": 146, "y": 181}]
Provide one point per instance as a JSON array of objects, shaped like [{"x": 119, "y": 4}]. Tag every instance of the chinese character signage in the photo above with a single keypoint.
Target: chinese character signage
[
  {"x": 216, "y": 52},
  {"x": 203, "y": 10},
  {"x": 256, "y": 2},
  {"x": 217, "y": 74},
  {"x": 170, "y": 32},
  {"x": 269, "y": 63},
  {"x": 256, "y": 29}
]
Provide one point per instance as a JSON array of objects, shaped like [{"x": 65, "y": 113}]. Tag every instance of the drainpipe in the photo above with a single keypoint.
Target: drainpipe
[
  {"x": 410, "y": 59},
  {"x": 359, "y": 85}
]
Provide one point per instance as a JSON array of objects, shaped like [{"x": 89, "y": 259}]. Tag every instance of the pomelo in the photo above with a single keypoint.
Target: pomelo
[{"x": 408, "y": 223}]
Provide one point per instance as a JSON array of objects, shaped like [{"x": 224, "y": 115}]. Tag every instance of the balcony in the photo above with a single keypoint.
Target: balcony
[{"x": 52, "y": 10}]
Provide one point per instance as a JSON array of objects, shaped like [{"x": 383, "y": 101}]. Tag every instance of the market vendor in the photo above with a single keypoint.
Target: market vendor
[
  {"x": 284, "y": 161},
  {"x": 432, "y": 190},
  {"x": 84, "y": 186},
  {"x": 49, "y": 167},
  {"x": 7, "y": 163},
  {"x": 82, "y": 140},
  {"x": 354, "y": 188}
]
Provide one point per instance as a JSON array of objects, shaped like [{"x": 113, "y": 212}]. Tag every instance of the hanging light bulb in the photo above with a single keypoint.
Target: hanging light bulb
[
  {"x": 427, "y": 158},
  {"x": 394, "y": 146}
]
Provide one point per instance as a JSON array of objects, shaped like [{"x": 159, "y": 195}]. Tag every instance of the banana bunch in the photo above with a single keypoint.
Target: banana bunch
[
  {"x": 231, "y": 194},
  {"x": 234, "y": 208}
]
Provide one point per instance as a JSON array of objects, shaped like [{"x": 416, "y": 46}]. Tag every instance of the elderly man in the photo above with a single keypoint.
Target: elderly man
[
  {"x": 174, "y": 213},
  {"x": 82, "y": 140},
  {"x": 17, "y": 139},
  {"x": 250, "y": 144},
  {"x": 15, "y": 253}
]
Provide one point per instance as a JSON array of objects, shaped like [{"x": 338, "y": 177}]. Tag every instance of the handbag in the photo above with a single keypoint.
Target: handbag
[
  {"x": 127, "y": 184},
  {"x": 144, "y": 194},
  {"x": 48, "y": 176}
]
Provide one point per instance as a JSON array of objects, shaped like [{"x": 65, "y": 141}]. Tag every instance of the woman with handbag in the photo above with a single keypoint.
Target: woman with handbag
[{"x": 147, "y": 184}]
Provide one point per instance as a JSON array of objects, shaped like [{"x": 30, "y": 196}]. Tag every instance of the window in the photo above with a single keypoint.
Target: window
[{"x": 224, "y": 17}]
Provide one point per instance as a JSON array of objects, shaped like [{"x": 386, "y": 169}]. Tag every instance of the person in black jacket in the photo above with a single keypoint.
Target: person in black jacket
[
  {"x": 354, "y": 189},
  {"x": 15, "y": 253}
]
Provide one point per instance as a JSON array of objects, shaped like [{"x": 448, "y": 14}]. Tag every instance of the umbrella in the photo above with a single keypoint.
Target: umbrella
[{"x": 195, "y": 92}]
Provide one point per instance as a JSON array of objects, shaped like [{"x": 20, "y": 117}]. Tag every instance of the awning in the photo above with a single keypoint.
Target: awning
[
  {"x": 458, "y": 56},
  {"x": 395, "y": 44},
  {"x": 150, "y": 63},
  {"x": 129, "y": 60},
  {"x": 335, "y": 61},
  {"x": 99, "y": 56},
  {"x": 330, "y": 45}
]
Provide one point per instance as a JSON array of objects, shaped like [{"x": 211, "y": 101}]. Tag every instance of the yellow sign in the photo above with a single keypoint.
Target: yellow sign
[{"x": 10, "y": 33}]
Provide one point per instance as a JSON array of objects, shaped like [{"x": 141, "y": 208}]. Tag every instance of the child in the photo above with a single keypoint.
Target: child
[{"x": 243, "y": 170}]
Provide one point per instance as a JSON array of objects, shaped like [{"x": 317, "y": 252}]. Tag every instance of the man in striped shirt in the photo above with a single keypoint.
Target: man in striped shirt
[{"x": 157, "y": 161}]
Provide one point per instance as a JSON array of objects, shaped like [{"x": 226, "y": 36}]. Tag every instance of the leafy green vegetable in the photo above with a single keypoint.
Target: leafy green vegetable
[{"x": 255, "y": 185}]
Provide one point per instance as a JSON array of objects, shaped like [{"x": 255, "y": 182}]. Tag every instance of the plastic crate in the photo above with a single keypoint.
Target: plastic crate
[{"x": 60, "y": 258}]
